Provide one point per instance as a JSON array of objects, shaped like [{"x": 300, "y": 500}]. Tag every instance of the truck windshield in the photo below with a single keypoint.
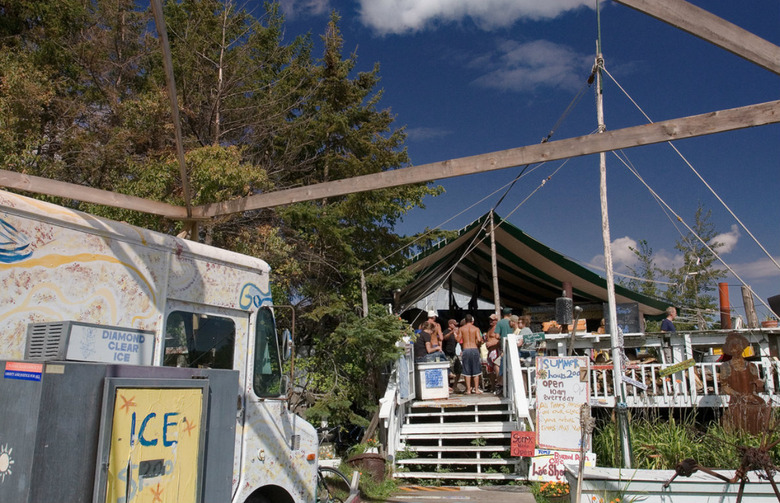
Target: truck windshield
[
  {"x": 268, "y": 369},
  {"x": 199, "y": 341}
]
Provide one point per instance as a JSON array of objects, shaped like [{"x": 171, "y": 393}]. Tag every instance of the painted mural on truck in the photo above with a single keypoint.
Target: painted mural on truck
[{"x": 49, "y": 273}]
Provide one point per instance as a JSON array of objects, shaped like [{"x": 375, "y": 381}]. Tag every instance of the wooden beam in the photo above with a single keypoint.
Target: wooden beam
[
  {"x": 713, "y": 29},
  {"x": 675, "y": 129},
  {"x": 57, "y": 188}
]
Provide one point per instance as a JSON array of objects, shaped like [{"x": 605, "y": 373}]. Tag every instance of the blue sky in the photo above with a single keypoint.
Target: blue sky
[{"x": 467, "y": 77}]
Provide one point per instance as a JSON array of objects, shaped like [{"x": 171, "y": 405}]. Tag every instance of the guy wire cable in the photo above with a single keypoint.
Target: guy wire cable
[
  {"x": 679, "y": 218},
  {"x": 685, "y": 160}
]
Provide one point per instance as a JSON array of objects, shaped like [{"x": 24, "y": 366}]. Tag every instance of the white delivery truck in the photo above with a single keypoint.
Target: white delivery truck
[{"x": 139, "y": 367}]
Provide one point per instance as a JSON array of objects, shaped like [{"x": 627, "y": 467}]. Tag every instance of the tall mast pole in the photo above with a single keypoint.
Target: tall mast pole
[
  {"x": 617, "y": 373},
  {"x": 494, "y": 264}
]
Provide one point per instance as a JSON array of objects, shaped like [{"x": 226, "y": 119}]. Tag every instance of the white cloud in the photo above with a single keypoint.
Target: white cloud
[
  {"x": 728, "y": 240},
  {"x": 621, "y": 252},
  {"x": 404, "y": 16},
  {"x": 622, "y": 257},
  {"x": 527, "y": 66},
  {"x": 426, "y": 133},
  {"x": 759, "y": 269},
  {"x": 302, "y": 8}
]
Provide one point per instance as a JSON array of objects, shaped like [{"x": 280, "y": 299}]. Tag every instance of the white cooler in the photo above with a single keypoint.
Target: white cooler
[{"x": 432, "y": 381}]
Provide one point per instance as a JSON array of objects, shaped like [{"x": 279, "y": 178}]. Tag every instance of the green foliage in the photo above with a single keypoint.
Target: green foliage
[
  {"x": 697, "y": 277},
  {"x": 658, "y": 444},
  {"x": 83, "y": 100},
  {"x": 645, "y": 269},
  {"x": 346, "y": 370}
]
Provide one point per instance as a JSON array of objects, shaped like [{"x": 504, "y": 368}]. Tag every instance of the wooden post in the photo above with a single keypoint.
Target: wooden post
[
  {"x": 617, "y": 383},
  {"x": 364, "y": 293},
  {"x": 725, "y": 306},
  {"x": 494, "y": 265},
  {"x": 750, "y": 308}
]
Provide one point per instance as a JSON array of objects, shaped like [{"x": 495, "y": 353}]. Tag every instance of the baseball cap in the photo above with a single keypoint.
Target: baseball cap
[
  {"x": 493, "y": 316},
  {"x": 431, "y": 314}
]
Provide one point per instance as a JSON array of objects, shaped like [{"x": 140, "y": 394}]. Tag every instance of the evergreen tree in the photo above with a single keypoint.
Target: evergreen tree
[
  {"x": 697, "y": 277},
  {"x": 645, "y": 270}
]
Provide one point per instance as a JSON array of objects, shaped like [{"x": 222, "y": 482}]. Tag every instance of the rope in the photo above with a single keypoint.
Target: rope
[
  {"x": 685, "y": 160},
  {"x": 704, "y": 243}
]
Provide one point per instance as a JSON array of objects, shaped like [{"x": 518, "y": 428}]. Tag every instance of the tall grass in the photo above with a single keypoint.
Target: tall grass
[{"x": 659, "y": 443}]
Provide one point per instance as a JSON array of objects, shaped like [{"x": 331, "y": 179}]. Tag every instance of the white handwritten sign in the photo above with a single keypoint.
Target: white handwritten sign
[
  {"x": 561, "y": 389},
  {"x": 548, "y": 465}
]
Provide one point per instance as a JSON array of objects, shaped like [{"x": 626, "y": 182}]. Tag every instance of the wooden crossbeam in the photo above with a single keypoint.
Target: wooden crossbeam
[
  {"x": 713, "y": 29},
  {"x": 674, "y": 129},
  {"x": 57, "y": 188}
]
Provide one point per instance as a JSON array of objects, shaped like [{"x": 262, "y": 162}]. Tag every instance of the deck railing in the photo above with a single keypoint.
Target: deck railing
[{"x": 697, "y": 386}]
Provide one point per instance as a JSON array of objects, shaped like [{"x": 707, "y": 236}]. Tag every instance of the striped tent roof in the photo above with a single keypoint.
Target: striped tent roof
[{"x": 529, "y": 272}]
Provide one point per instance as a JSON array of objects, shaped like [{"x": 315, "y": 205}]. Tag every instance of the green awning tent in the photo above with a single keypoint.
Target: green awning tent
[{"x": 529, "y": 273}]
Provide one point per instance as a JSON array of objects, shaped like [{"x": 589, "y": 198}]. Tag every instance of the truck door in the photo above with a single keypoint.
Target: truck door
[{"x": 199, "y": 336}]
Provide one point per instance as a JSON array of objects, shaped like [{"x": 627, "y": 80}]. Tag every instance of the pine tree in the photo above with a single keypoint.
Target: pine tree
[
  {"x": 697, "y": 277},
  {"x": 646, "y": 270}
]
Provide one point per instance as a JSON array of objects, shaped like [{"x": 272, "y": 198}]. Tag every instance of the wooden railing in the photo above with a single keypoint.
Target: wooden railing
[{"x": 697, "y": 386}]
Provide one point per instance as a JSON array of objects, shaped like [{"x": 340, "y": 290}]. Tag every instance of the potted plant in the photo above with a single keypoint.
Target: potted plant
[{"x": 366, "y": 456}]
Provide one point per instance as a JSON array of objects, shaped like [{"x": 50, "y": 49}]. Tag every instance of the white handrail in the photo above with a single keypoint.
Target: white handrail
[{"x": 513, "y": 377}]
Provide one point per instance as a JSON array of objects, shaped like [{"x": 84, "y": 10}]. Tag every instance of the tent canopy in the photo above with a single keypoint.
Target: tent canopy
[{"x": 529, "y": 273}]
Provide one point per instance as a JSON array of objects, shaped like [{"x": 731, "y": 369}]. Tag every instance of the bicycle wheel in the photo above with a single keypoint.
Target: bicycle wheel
[{"x": 331, "y": 485}]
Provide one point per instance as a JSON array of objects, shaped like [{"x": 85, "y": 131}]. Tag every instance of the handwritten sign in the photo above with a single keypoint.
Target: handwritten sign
[
  {"x": 627, "y": 317},
  {"x": 690, "y": 362},
  {"x": 534, "y": 337},
  {"x": 434, "y": 378},
  {"x": 523, "y": 444},
  {"x": 548, "y": 465},
  {"x": 634, "y": 382},
  {"x": 561, "y": 389}
]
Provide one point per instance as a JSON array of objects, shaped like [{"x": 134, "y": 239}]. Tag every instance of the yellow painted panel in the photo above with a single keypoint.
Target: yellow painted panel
[
  {"x": 155, "y": 445},
  {"x": 749, "y": 351}
]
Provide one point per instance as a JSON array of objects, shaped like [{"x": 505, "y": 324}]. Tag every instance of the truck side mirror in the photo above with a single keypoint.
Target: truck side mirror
[{"x": 287, "y": 343}]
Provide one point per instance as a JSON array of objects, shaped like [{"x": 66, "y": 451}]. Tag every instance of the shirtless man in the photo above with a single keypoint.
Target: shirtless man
[
  {"x": 493, "y": 342},
  {"x": 472, "y": 367},
  {"x": 436, "y": 331}
]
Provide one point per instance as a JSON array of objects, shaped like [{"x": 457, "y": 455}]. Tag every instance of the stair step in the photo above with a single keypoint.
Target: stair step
[
  {"x": 459, "y": 475},
  {"x": 474, "y": 429},
  {"x": 460, "y": 413},
  {"x": 454, "y": 436},
  {"x": 458, "y": 448},
  {"x": 458, "y": 461},
  {"x": 484, "y": 400}
]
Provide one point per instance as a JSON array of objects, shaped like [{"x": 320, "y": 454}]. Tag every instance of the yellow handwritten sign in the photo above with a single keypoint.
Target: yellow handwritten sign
[
  {"x": 155, "y": 445},
  {"x": 690, "y": 362}
]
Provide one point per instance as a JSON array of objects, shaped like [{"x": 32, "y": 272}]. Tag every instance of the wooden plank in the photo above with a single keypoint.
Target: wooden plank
[
  {"x": 458, "y": 461},
  {"x": 674, "y": 129},
  {"x": 713, "y": 29},
  {"x": 57, "y": 188}
]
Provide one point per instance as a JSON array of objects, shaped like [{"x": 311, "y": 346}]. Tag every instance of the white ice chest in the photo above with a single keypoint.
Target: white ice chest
[{"x": 432, "y": 382}]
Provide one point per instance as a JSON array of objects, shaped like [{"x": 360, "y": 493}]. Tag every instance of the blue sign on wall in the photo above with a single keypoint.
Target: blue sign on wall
[{"x": 434, "y": 378}]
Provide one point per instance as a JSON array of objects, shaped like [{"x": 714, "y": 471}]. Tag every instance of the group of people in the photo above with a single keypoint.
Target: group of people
[{"x": 468, "y": 349}]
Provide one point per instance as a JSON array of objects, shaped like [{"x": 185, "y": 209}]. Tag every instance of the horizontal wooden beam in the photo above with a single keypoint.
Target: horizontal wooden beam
[
  {"x": 57, "y": 188},
  {"x": 675, "y": 129},
  {"x": 711, "y": 28}
]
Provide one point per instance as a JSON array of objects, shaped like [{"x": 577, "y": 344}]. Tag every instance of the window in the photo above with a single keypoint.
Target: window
[
  {"x": 199, "y": 341},
  {"x": 268, "y": 368}
]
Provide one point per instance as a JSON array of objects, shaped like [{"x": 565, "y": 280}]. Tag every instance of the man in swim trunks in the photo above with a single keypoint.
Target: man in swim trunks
[{"x": 472, "y": 367}]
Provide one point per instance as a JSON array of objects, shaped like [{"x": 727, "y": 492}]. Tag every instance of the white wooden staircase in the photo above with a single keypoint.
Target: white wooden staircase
[{"x": 464, "y": 437}]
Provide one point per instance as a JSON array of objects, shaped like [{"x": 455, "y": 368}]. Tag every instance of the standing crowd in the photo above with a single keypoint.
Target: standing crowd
[{"x": 472, "y": 353}]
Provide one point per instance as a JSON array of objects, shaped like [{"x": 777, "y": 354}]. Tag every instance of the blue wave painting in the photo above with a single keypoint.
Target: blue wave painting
[{"x": 14, "y": 245}]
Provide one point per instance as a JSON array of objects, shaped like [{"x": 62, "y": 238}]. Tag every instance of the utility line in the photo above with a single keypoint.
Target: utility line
[
  {"x": 706, "y": 245},
  {"x": 685, "y": 160}
]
